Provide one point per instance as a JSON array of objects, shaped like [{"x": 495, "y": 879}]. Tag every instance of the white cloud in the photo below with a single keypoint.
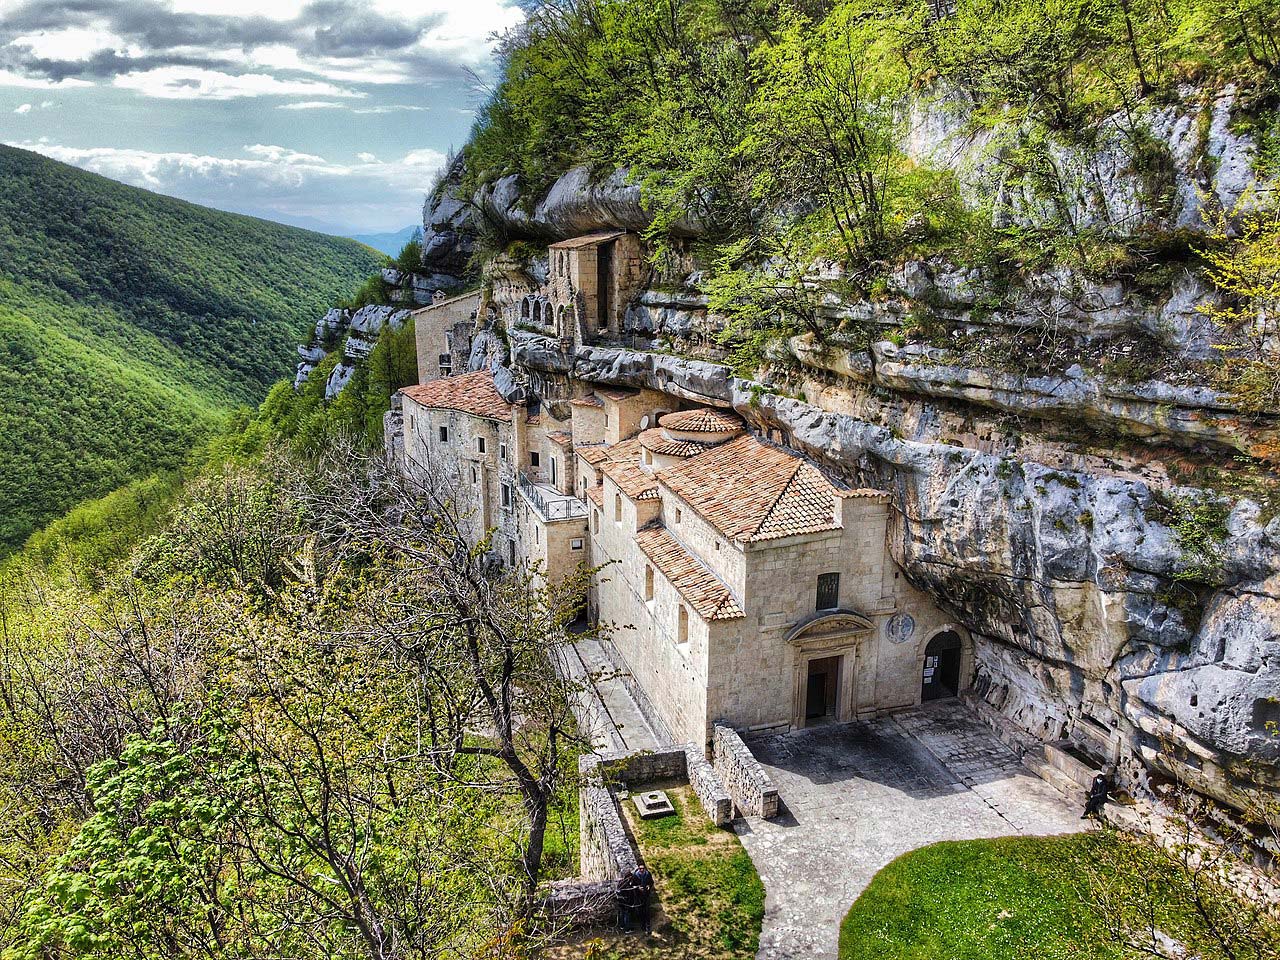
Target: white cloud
[
  {"x": 312, "y": 105},
  {"x": 391, "y": 108},
  {"x": 23, "y": 108},
  {"x": 272, "y": 181},
  {"x": 366, "y": 158},
  {"x": 196, "y": 83},
  {"x": 72, "y": 43}
]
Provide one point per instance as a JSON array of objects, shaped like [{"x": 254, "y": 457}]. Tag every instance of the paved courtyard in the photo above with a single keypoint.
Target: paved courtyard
[{"x": 859, "y": 795}]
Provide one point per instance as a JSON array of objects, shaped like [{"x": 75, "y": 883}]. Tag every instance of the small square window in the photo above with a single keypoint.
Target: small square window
[
  {"x": 575, "y": 544},
  {"x": 444, "y": 434}
]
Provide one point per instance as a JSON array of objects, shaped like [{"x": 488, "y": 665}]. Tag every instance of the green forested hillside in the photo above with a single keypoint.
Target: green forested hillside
[{"x": 130, "y": 321}]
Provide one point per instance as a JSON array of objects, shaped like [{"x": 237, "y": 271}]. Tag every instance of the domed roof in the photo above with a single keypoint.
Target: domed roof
[
  {"x": 701, "y": 420},
  {"x": 657, "y": 441}
]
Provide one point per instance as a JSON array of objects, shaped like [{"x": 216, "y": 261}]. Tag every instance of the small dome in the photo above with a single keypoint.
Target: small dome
[
  {"x": 701, "y": 420},
  {"x": 657, "y": 441}
]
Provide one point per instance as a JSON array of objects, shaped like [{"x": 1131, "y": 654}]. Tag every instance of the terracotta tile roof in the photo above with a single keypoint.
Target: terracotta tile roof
[
  {"x": 587, "y": 240},
  {"x": 701, "y": 588},
  {"x": 590, "y": 400},
  {"x": 656, "y": 441},
  {"x": 632, "y": 480},
  {"x": 560, "y": 437},
  {"x": 471, "y": 393},
  {"x": 593, "y": 453},
  {"x": 617, "y": 395},
  {"x": 749, "y": 490},
  {"x": 596, "y": 494},
  {"x": 702, "y": 420}
]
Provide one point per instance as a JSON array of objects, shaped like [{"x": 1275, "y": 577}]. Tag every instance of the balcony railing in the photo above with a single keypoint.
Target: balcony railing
[{"x": 550, "y": 504}]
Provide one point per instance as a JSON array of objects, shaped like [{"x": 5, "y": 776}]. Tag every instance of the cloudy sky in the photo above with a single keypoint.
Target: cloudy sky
[{"x": 330, "y": 114}]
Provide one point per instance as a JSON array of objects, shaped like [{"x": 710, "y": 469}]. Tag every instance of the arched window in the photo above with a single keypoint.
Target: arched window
[{"x": 524, "y": 309}]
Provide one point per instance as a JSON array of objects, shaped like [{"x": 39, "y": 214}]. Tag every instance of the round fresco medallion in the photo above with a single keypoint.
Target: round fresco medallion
[{"x": 900, "y": 627}]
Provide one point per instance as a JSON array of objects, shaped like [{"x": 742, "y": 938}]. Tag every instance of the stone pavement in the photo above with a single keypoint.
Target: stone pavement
[
  {"x": 859, "y": 795},
  {"x": 605, "y": 709}
]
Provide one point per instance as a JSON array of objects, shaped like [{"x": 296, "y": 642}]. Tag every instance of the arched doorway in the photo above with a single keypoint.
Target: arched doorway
[{"x": 940, "y": 672}]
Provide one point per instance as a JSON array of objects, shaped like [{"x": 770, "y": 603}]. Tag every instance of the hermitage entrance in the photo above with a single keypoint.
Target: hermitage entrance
[
  {"x": 940, "y": 673},
  {"x": 826, "y": 658}
]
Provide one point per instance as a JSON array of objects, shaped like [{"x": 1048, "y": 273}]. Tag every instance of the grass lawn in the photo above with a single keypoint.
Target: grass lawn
[
  {"x": 1012, "y": 898},
  {"x": 710, "y": 902}
]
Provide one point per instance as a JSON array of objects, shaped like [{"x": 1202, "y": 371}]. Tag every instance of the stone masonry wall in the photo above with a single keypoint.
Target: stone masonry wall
[{"x": 753, "y": 792}]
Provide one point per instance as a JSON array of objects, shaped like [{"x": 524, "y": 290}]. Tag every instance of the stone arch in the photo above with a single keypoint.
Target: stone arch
[
  {"x": 945, "y": 659},
  {"x": 524, "y": 309}
]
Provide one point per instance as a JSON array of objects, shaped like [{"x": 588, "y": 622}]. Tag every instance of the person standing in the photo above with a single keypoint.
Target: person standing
[
  {"x": 644, "y": 896},
  {"x": 628, "y": 900},
  {"x": 1097, "y": 796}
]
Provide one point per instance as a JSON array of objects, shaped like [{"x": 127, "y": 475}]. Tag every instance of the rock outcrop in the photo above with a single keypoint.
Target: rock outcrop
[{"x": 1052, "y": 443}]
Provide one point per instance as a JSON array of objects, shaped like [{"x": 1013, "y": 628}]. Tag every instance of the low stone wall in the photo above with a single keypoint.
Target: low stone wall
[
  {"x": 605, "y": 850},
  {"x": 753, "y": 792},
  {"x": 683, "y": 762},
  {"x": 716, "y": 800},
  {"x": 580, "y": 903}
]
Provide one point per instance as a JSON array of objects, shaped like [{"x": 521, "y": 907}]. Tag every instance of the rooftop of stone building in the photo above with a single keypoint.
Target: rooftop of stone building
[
  {"x": 701, "y": 420},
  {"x": 469, "y": 295},
  {"x": 750, "y": 490},
  {"x": 472, "y": 393},
  {"x": 587, "y": 240},
  {"x": 655, "y": 440},
  {"x": 701, "y": 588}
]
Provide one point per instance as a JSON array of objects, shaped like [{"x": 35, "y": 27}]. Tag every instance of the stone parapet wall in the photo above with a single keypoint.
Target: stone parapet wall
[
  {"x": 605, "y": 850},
  {"x": 716, "y": 800},
  {"x": 580, "y": 903},
  {"x": 753, "y": 792},
  {"x": 682, "y": 762}
]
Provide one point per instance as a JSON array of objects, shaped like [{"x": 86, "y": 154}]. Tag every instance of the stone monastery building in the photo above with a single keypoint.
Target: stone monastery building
[{"x": 742, "y": 582}]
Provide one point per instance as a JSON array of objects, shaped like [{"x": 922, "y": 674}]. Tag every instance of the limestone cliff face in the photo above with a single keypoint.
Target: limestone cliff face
[{"x": 1045, "y": 440}]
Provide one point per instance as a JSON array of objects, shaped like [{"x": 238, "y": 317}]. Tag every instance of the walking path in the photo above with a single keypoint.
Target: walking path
[
  {"x": 859, "y": 795},
  {"x": 604, "y": 707}
]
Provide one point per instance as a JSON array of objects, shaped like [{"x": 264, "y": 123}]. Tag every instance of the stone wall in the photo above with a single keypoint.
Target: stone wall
[
  {"x": 753, "y": 792},
  {"x": 605, "y": 850},
  {"x": 686, "y": 761}
]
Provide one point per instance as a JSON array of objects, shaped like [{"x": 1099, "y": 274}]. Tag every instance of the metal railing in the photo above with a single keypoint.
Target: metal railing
[{"x": 551, "y": 505}]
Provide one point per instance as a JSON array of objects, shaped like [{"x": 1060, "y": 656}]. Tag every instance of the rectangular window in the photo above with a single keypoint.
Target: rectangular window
[
  {"x": 511, "y": 551},
  {"x": 553, "y": 471},
  {"x": 682, "y": 627},
  {"x": 648, "y": 582},
  {"x": 535, "y": 460},
  {"x": 480, "y": 447},
  {"x": 679, "y": 514},
  {"x": 445, "y": 360},
  {"x": 575, "y": 543},
  {"x": 444, "y": 434},
  {"x": 506, "y": 496},
  {"x": 475, "y": 475},
  {"x": 617, "y": 508},
  {"x": 828, "y": 591},
  {"x": 502, "y": 452}
]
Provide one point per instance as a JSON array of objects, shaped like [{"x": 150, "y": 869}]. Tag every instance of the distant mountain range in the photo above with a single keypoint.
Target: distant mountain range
[
  {"x": 388, "y": 243},
  {"x": 131, "y": 322}
]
